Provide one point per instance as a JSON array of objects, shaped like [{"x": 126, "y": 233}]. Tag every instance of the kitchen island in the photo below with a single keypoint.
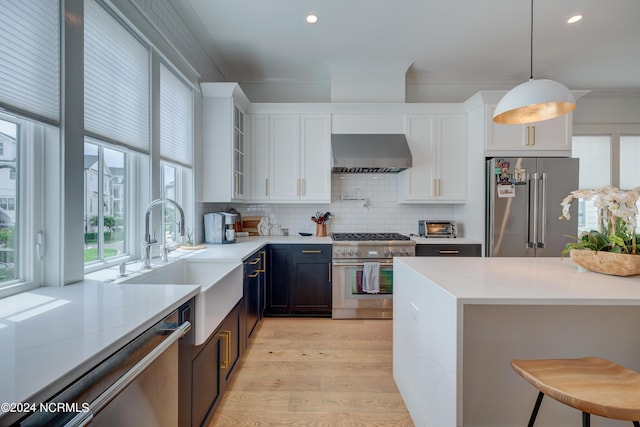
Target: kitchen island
[{"x": 459, "y": 321}]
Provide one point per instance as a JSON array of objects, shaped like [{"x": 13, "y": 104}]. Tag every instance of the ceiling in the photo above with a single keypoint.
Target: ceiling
[{"x": 468, "y": 44}]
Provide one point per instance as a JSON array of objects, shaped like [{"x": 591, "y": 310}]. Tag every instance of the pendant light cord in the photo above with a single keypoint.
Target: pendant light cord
[{"x": 531, "y": 47}]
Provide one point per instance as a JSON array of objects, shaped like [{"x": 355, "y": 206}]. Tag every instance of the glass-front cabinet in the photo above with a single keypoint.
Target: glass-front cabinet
[
  {"x": 239, "y": 155},
  {"x": 225, "y": 152}
]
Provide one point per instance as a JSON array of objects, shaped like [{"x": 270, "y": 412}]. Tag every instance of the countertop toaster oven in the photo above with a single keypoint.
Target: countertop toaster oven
[{"x": 437, "y": 228}]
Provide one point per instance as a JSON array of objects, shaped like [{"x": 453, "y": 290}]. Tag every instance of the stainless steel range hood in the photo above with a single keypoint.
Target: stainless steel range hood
[{"x": 370, "y": 153}]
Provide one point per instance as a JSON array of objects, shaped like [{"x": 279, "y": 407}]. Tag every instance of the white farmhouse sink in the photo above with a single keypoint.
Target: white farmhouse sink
[{"x": 220, "y": 289}]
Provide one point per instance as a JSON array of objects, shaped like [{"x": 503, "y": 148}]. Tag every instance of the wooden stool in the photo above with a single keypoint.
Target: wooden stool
[{"x": 590, "y": 384}]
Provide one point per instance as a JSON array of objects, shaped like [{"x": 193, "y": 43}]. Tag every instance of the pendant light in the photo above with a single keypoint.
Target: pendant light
[{"x": 535, "y": 100}]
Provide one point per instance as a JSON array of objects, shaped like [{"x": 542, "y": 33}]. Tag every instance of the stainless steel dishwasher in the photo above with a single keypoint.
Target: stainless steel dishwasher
[{"x": 136, "y": 386}]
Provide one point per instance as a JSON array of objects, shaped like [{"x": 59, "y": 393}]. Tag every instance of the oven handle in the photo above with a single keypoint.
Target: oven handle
[
  {"x": 359, "y": 264},
  {"x": 98, "y": 404}
]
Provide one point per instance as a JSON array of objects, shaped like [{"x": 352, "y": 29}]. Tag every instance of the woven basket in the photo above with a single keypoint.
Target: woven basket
[{"x": 606, "y": 262}]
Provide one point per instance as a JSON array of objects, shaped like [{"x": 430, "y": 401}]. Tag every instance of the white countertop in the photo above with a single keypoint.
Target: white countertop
[
  {"x": 51, "y": 335},
  {"x": 524, "y": 281}
]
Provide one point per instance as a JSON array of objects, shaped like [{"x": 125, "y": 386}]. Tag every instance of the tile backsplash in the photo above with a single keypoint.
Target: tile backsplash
[{"x": 382, "y": 213}]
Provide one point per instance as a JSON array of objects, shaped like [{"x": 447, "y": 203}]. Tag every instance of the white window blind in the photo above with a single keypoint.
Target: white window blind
[
  {"x": 116, "y": 78},
  {"x": 629, "y": 160},
  {"x": 176, "y": 118},
  {"x": 594, "y": 153},
  {"x": 30, "y": 52}
]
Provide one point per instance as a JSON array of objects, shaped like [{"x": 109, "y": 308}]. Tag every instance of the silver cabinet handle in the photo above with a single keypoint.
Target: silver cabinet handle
[
  {"x": 448, "y": 251},
  {"x": 99, "y": 403}
]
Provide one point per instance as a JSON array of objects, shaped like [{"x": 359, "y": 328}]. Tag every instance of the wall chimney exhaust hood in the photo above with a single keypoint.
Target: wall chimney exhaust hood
[{"x": 370, "y": 153}]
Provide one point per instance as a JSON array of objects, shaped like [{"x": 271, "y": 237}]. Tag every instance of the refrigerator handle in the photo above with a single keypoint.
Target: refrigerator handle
[
  {"x": 529, "y": 243},
  {"x": 535, "y": 210},
  {"x": 543, "y": 209}
]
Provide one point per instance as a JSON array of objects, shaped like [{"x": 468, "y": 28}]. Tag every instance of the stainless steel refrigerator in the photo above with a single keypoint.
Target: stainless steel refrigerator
[{"x": 523, "y": 206}]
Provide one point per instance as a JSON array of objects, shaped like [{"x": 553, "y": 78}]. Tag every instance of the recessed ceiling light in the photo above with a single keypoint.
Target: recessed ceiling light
[
  {"x": 311, "y": 18},
  {"x": 574, "y": 19}
]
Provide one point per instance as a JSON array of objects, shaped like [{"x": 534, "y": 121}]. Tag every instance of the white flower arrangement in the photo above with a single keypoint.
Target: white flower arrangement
[{"x": 617, "y": 219}]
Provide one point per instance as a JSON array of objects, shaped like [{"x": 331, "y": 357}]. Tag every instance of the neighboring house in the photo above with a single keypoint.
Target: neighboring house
[
  {"x": 111, "y": 193},
  {"x": 8, "y": 178}
]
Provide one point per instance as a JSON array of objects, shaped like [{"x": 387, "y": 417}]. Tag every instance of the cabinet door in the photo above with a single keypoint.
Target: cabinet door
[
  {"x": 451, "y": 184},
  {"x": 259, "y": 157},
  {"x": 205, "y": 381},
  {"x": 554, "y": 134},
  {"x": 278, "y": 289},
  {"x": 418, "y": 182},
  {"x": 252, "y": 283},
  {"x": 284, "y": 182},
  {"x": 315, "y": 158},
  {"x": 229, "y": 334},
  {"x": 311, "y": 280},
  {"x": 504, "y": 137},
  {"x": 240, "y": 163}
]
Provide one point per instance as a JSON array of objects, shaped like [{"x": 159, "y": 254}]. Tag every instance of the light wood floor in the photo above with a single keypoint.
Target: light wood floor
[{"x": 315, "y": 372}]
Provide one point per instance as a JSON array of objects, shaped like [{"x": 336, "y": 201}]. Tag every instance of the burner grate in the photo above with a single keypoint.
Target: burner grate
[{"x": 361, "y": 237}]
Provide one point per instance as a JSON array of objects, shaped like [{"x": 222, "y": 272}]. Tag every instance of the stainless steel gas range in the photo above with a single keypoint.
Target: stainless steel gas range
[{"x": 355, "y": 257}]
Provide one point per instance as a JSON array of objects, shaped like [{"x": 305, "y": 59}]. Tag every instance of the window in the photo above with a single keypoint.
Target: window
[
  {"x": 104, "y": 214},
  {"x": 176, "y": 149},
  {"x": 8, "y": 219},
  {"x": 607, "y": 156},
  {"x": 30, "y": 111},
  {"x": 117, "y": 123}
]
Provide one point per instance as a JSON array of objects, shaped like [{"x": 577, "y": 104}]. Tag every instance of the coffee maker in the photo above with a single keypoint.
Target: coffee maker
[
  {"x": 230, "y": 232},
  {"x": 218, "y": 228}
]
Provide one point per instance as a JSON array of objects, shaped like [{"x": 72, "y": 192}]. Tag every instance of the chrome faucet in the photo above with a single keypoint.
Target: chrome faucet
[{"x": 148, "y": 240}]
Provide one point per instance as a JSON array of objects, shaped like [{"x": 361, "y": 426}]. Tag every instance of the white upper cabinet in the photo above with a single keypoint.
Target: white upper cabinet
[
  {"x": 290, "y": 157},
  {"x": 550, "y": 138},
  {"x": 259, "y": 159},
  {"x": 225, "y": 162},
  {"x": 315, "y": 158},
  {"x": 438, "y": 144},
  {"x": 548, "y": 135},
  {"x": 284, "y": 157}
]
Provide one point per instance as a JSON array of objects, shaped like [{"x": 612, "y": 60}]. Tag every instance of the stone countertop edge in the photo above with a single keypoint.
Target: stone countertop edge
[{"x": 51, "y": 336}]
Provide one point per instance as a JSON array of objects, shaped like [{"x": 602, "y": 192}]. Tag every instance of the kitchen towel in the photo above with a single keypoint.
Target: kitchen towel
[{"x": 371, "y": 277}]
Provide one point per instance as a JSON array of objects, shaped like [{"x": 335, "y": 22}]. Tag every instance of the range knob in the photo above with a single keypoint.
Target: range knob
[
  {"x": 386, "y": 252},
  {"x": 351, "y": 252},
  {"x": 393, "y": 252},
  {"x": 357, "y": 253}
]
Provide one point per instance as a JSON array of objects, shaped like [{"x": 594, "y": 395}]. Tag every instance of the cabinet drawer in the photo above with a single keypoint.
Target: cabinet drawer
[
  {"x": 308, "y": 251},
  {"x": 471, "y": 250}
]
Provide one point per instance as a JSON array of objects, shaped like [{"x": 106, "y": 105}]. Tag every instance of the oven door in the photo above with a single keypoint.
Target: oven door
[{"x": 350, "y": 302}]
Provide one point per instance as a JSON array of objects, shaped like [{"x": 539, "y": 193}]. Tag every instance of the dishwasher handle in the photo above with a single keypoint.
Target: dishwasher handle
[{"x": 100, "y": 402}]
